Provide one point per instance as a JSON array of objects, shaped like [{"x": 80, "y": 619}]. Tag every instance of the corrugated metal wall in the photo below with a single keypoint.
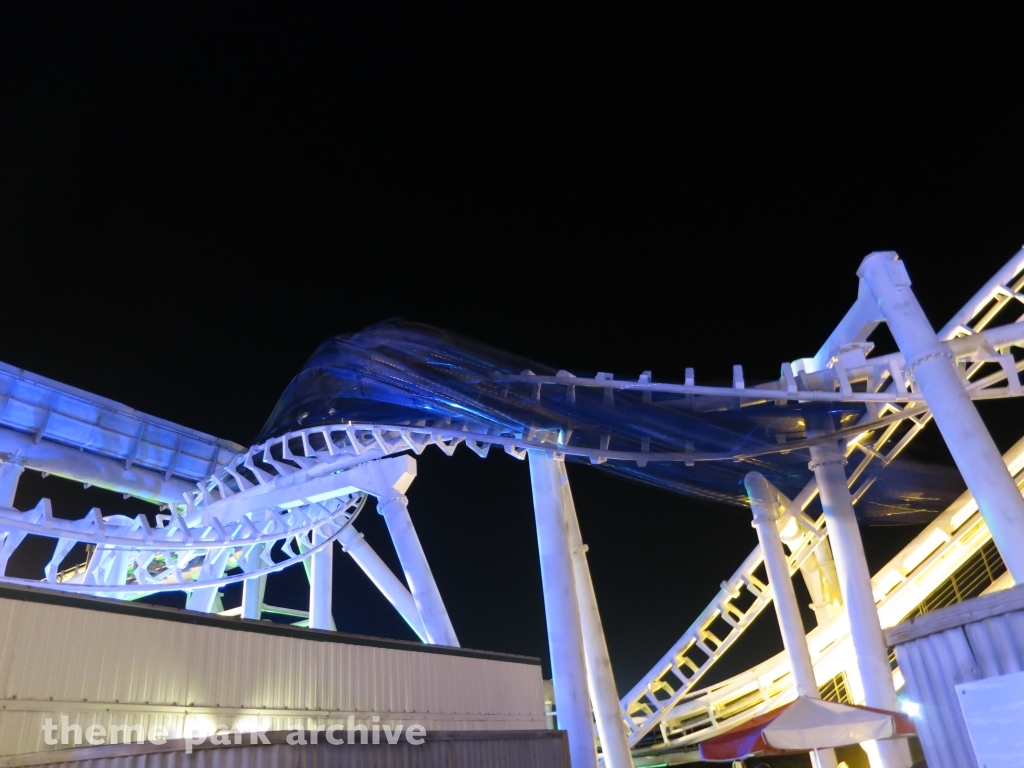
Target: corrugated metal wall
[
  {"x": 976, "y": 639},
  {"x": 109, "y": 668},
  {"x": 494, "y": 749}
]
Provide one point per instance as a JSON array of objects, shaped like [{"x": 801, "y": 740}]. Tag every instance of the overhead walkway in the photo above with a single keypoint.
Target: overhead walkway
[{"x": 115, "y": 446}]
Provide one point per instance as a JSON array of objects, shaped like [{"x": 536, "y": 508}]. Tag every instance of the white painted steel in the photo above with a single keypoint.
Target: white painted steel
[
  {"x": 418, "y": 575},
  {"x": 765, "y": 508},
  {"x": 48, "y": 410},
  {"x": 950, "y": 541},
  {"x": 561, "y": 609},
  {"x": 963, "y": 430},
  {"x": 91, "y": 468},
  {"x": 10, "y": 473},
  {"x": 677, "y": 673},
  {"x": 822, "y": 365},
  {"x": 321, "y": 576},
  {"x": 600, "y": 678},
  {"x": 252, "y": 597},
  {"x": 103, "y": 667},
  {"x": 871, "y": 659},
  {"x": 655, "y": 697},
  {"x": 193, "y": 558},
  {"x": 1002, "y": 289},
  {"x": 300, "y": 467},
  {"x": 371, "y": 564}
]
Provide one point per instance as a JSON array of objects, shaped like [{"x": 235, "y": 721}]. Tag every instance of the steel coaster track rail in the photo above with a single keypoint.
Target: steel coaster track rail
[
  {"x": 244, "y": 488},
  {"x": 673, "y": 679},
  {"x": 186, "y": 558},
  {"x": 939, "y": 551},
  {"x": 54, "y": 412}
]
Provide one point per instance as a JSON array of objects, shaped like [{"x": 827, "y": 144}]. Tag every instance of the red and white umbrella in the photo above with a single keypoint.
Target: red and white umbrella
[{"x": 805, "y": 725}]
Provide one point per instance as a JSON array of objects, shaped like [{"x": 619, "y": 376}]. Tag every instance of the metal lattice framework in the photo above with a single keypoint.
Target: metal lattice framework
[{"x": 237, "y": 515}]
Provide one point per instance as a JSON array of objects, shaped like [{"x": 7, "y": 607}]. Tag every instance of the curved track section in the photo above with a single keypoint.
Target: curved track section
[
  {"x": 229, "y": 510},
  {"x": 668, "y": 697},
  {"x": 956, "y": 544},
  {"x": 129, "y": 558}
]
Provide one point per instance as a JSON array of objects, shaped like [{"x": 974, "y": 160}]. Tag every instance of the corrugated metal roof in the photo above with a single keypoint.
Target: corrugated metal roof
[
  {"x": 973, "y": 640},
  {"x": 105, "y": 667}
]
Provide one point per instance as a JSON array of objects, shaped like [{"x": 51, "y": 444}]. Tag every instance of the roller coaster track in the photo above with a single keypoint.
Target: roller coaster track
[
  {"x": 227, "y": 508},
  {"x": 668, "y": 696},
  {"x": 955, "y": 539}
]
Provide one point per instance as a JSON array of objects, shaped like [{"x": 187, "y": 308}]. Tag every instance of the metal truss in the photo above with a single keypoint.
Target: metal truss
[
  {"x": 227, "y": 507},
  {"x": 130, "y": 558},
  {"x": 985, "y": 363},
  {"x": 944, "y": 547},
  {"x": 140, "y": 453}
]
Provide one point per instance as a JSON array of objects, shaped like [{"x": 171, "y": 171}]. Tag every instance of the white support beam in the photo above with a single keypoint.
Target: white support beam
[
  {"x": 958, "y": 420},
  {"x": 252, "y": 597},
  {"x": 321, "y": 578},
  {"x": 389, "y": 585},
  {"x": 600, "y": 678},
  {"x": 764, "y": 506},
  {"x": 871, "y": 659},
  {"x": 254, "y": 587},
  {"x": 388, "y": 480},
  {"x": 10, "y": 473},
  {"x": 207, "y": 599},
  {"x": 47, "y": 410},
  {"x": 420, "y": 578},
  {"x": 92, "y": 468},
  {"x": 565, "y": 636}
]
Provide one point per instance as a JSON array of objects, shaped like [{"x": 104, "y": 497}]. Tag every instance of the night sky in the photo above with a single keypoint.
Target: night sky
[{"x": 192, "y": 198}]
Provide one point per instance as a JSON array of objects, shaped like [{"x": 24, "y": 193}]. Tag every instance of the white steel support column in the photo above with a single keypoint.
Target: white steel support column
[
  {"x": 369, "y": 561},
  {"x": 253, "y": 588},
  {"x": 321, "y": 584},
  {"x": 252, "y": 597},
  {"x": 870, "y": 655},
  {"x": 204, "y": 599},
  {"x": 966, "y": 436},
  {"x": 600, "y": 679},
  {"x": 10, "y": 472},
  {"x": 565, "y": 637},
  {"x": 417, "y": 571},
  {"x": 766, "y": 521}
]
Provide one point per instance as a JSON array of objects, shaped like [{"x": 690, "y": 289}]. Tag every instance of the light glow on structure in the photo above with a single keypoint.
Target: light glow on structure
[
  {"x": 935, "y": 540},
  {"x": 201, "y": 725},
  {"x": 910, "y": 708},
  {"x": 964, "y": 515},
  {"x": 252, "y": 723},
  {"x": 790, "y": 529},
  {"x": 887, "y": 583}
]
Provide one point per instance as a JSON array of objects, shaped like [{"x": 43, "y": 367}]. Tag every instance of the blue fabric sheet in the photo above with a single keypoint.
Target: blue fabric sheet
[{"x": 400, "y": 373}]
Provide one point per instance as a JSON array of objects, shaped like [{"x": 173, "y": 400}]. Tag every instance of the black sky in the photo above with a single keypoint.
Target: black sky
[{"x": 193, "y": 197}]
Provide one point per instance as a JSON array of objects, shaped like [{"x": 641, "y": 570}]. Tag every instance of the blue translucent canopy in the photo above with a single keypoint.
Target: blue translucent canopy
[{"x": 402, "y": 374}]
